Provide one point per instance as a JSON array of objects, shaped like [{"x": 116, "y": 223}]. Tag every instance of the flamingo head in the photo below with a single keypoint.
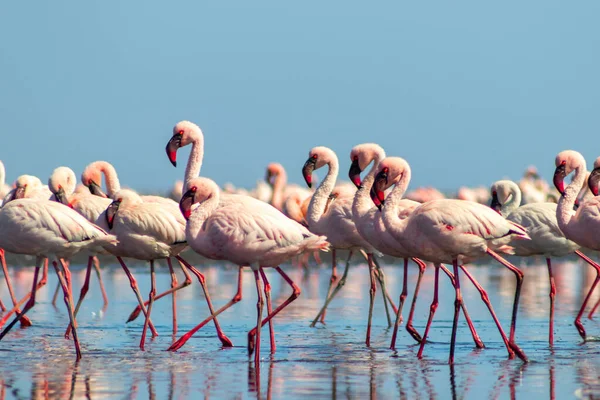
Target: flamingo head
[
  {"x": 123, "y": 198},
  {"x": 184, "y": 133},
  {"x": 274, "y": 170},
  {"x": 566, "y": 162},
  {"x": 92, "y": 178},
  {"x": 62, "y": 183},
  {"x": 199, "y": 190},
  {"x": 318, "y": 157},
  {"x": 594, "y": 178},
  {"x": 24, "y": 185},
  {"x": 389, "y": 172},
  {"x": 361, "y": 156},
  {"x": 501, "y": 192}
]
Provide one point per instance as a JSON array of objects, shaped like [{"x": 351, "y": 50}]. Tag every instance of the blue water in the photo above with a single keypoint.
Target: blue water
[{"x": 329, "y": 361}]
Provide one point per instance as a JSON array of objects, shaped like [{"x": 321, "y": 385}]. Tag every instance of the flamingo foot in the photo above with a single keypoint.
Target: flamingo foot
[
  {"x": 413, "y": 332},
  {"x": 580, "y": 329},
  {"x": 25, "y": 322},
  {"x": 518, "y": 351},
  {"x": 251, "y": 341},
  {"x": 134, "y": 314},
  {"x": 225, "y": 341}
]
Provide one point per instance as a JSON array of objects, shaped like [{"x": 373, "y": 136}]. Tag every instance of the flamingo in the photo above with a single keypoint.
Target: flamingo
[
  {"x": 92, "y": 178},
  {"x": 336, "y": 223},
  {"x": 444, "y": 231},
  {"x": 370, "y": 226},
  {"x": 589, "y": 191},
  {"x": 246, "y": 231},
  {"x": 579, "y": 226},
  {"x": 44, "y": 229},
  {"x": 539, "y": 219},
  {"x": 4, "y": 188},
  {"x": 148, "y": 231}
]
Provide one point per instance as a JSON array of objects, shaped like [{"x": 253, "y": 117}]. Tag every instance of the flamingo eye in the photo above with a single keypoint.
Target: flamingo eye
[
  {"x": 386, "y": 170},
  {"x": 194, "y": 188},
  {"x": 180, "y": 132},
  {"x": 315, "y": 156},
  {"x": 563, "y": 162},
  {"x": 355, "y": 158},
  {"x": 494, "y": 193},
  {"x": 59, "y": 187}
]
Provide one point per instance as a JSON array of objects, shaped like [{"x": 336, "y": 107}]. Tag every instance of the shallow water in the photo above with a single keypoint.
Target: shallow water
[{"x": 329, "y": 361}]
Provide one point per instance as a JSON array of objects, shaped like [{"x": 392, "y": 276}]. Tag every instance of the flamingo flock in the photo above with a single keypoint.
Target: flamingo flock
[{"x": 374, "y": 215}]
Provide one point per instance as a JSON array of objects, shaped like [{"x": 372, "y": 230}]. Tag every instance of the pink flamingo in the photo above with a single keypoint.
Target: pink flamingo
[
  {"x": 336, "y": 223},
  {"x": 577, "y": 226},
  {"x": 370, "y": 226},
  {"x": 246, "y": 232},
  {"x": 444, "y": 231},
  {"x": 539, "y": 219},
  {"x": 46, "y": 229}
]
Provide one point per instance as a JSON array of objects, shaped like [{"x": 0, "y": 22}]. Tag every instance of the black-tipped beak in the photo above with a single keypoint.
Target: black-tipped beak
[
  {"x": 307, "y": 170},
  {"x": 594, "y": 180},
  {"x": 378, "y": 190},
  {"x": 375, "y": 197},
  {"x": 96, "y": 190},
  {"x": 186, "y": 202},
  {"x": 268, "y": 177},
  {"x": 495, "y": 204},
  {"x": 559, "y": 178},
  {"x": 354, "y": 173},
  {"x": 172, "y": 147},
  {"x": 19, "y": 193},
  {"x": 111, "y": 212},
  {"x": 61, "y": 197}
]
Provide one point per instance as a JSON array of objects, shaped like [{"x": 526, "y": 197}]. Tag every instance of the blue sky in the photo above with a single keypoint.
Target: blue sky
[{"x": 468, "y": 92}]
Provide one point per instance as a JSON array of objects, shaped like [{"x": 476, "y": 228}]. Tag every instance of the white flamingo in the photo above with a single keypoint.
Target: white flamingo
[
  {"x": 444, "y": 231},
  {"x": 246, "y": 232}
]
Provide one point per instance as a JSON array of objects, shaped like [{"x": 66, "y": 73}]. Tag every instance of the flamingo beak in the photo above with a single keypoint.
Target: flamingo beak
[
  {"x": 268, "y": 177},
  {"x": 495, "y": 204},
  {"x": 61, "y": 197},
  {"x": 111, "y": 212},
  {"x": 307, "y": 170},
  {"x": 354, "y": 173},
  {"x": 559, "y": 178},
  {"x": 172, "y": 147},
  {"x": 186, "y": 202},
  {"x": 378, "y": 190},
  {"x": 96, "y": 190},
  {"x": 593, "y": 181}
]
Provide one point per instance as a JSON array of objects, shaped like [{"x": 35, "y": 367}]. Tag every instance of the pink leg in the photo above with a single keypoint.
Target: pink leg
[
  {"x": 151, "y": 302},
  {"x": 56, "y": 292},
  {"x": 552, "y": 294},
  {"x": 457, "y": 303},
  {"x": 100, "y": 282},
  {"x": 31, "y": 301},
  {"x": 267, "y": 290},
  {"x": 136, "y": 290},
  {"x": 259, "y": 308},
  {"x": 224, "y": 339},
  {"x": 174, "y": 298},
  {"x": 188, "y": 281},
  {"x": 578, "y": 323},
  {"x": 317, "y": 258},
  {"x": 67, "y": 274},
  {"x": 2, "y": 306},
  {"x": 594, "y": 309},
  {"x": 331, "y": 281},
  {"x": 296, "y": 292},
  {"x": 335, "y": 291},
  {"x": 519, "y": 275},
  {"x": 238, "y": 296},
  {"x": 68, "y": 303},
  {"x": 486, "y": 300},
  {"x": 25, "y": 321},
  {"x": 372, "y": 291},
  {"x": 432, "y": 308},
  {"x": 40, "y": 284},
  {"x": 409, "y": 326},
  {"x": 84, "y": 290},
  {"x": 400, "y": 305}
]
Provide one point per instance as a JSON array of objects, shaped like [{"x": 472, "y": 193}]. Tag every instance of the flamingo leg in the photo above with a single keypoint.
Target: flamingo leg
[
  {"x": 331, "y": 282},
  {"x": 29, "y": 304},
  {"x": 478, "y": 343},
  {"x": 335, "y": 291},
  {"x": 432, "y": 309},
  {"x": 457, "y": 302},
  {"x": 519, "y": 275},
  {"x": 100, "y": 282},
  {"x": 25, "y": 321},
  {"x": 174, "y": 298},
  {"x": 151, "y": 302},
  {"x": 552, "y": 294},
  {"x": 55, "y": 295},
  {"x": 372, "y": 291},
  {"x": 2, "y": 306},
  {"x": 67, "y": 298},
  {"x": 317, "y": 258},
  {"x": 296, "y": 292},
  {"x": 188, "y": 281},
  {"x": 267, "y": 290},
  {"x": 224, "y": 339},
  {"x": 593, "y": 310},
  {"x": 380, "y": 275},
  {"x": 40, "y": 284},
  {"x": 238, "y": 296},
  {"x": 486, "y": 300},
  {"x": 409, "y": 326},
  {"x": 400, "y": 305},
  {"x": 136, "y": 290},
  {"x": 578, "y": 323},
  {"x": 65, "y": 265},
  {"x": 84, "y": 290},
  {"x": 259, "y": 308}
]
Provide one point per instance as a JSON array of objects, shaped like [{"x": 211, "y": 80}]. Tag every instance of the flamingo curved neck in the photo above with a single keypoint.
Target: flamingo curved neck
[
  {"x": 111, "y": 178},
  {"x": 514, "y": 199},
  {"x": 316, "y": 208},
  {"x": 201, "y": 213},
  {"x": 362, "y": 203},
  {"x": 194, "y": 164},
  {"x": 393, "y": 223},
  {"x": 564, "y": 210},
  {"x": 277, "y": 196}
]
